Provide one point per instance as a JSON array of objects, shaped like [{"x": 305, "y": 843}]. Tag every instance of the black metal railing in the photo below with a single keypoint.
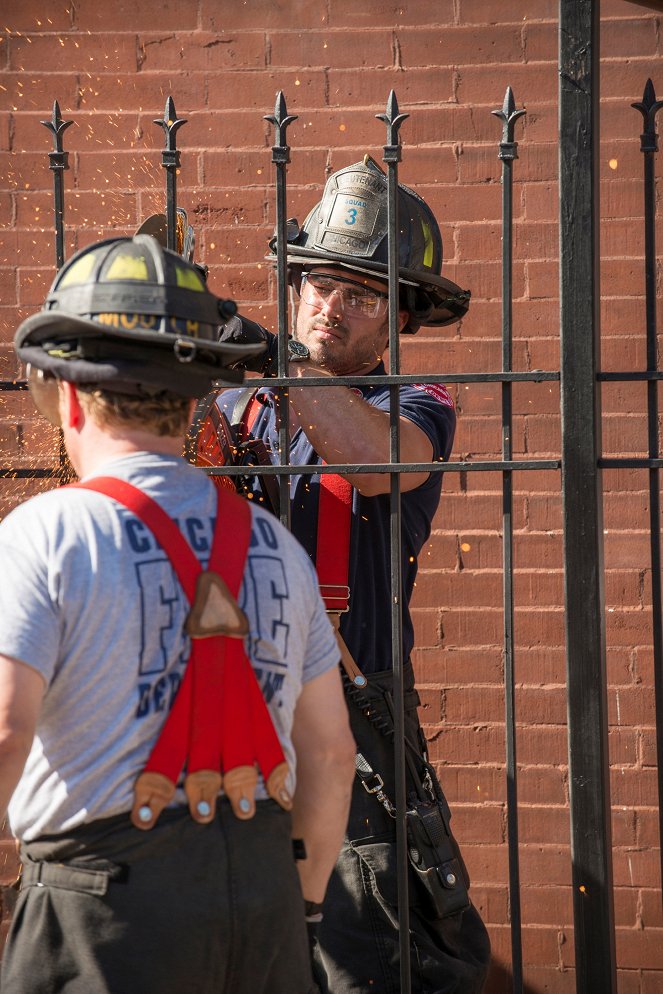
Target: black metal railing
[{"x": 580, "y": 463}]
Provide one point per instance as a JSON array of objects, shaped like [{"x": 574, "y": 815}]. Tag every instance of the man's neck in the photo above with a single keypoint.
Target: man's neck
[{"x": 102, "y": 447}]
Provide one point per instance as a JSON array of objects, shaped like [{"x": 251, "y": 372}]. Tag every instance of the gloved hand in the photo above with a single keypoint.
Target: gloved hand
[{"x": 240, "y": 331}]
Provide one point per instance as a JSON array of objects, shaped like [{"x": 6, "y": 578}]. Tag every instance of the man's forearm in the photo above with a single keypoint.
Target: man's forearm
[
  {"x": 319, "y": 817},
  {"x": 14, "y": 752},
  {"x": 343, "y": 428}
]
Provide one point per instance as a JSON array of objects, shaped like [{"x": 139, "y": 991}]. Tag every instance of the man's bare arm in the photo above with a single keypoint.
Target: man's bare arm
[
  {"x": 21, "y": 693},
  {"x": 343, "y": 428},
  {"x": 325, "y": 767}
]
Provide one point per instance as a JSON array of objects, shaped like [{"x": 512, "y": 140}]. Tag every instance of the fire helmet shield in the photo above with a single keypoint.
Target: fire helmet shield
[{"x": 349, "y": 227}]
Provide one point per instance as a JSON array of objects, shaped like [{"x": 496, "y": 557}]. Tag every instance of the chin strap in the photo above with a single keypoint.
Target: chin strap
[{"x": 219, "y": 727}]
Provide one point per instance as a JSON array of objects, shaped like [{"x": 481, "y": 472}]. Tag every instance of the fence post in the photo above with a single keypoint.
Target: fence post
[{"x": 589, "y": 785}]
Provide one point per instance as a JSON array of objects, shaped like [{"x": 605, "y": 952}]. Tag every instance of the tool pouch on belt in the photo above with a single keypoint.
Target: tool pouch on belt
[
  {"x": 435, "y": 858},
  {"x": 439, "y": 878}
]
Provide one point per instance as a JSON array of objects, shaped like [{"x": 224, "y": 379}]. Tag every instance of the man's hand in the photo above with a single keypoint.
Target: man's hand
[{"x": 240, "y": 331}]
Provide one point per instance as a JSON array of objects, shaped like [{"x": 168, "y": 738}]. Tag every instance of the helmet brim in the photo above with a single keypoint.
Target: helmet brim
[
  {"x": 143, "y": 359},
  {"x": 449, "y": 302}
]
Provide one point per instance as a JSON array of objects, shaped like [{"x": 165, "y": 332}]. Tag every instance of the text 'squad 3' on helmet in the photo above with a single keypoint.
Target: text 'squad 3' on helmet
[
  {"x": 349, "y": 228},
  {"x": 130, "y": 316}
]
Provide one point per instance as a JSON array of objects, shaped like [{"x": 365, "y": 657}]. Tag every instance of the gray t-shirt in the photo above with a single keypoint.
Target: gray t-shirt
[{"x": 90, "y": 600}]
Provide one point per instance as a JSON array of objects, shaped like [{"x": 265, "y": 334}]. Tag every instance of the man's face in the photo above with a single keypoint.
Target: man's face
[{"x": 339, "y": 336}]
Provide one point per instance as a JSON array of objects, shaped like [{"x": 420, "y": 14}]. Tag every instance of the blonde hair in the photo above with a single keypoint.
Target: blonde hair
[{"x": 164, "y": 414}]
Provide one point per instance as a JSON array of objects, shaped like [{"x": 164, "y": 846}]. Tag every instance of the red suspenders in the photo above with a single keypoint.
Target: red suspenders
[
  {"x": 219, "y": 726},
  {"x": 332, "y": 559}
]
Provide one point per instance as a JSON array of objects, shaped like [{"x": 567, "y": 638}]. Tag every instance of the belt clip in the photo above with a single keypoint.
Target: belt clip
[{"x": 379, "y": 784}]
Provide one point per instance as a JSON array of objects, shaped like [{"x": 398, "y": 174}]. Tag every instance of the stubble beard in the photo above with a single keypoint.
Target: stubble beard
[{"x": 337, "y": 356}]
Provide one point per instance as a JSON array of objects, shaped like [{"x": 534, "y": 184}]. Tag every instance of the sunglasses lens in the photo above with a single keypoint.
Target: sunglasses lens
[
  {"x": 44, "y": 393},
  {"x": 317, "y": 289}
]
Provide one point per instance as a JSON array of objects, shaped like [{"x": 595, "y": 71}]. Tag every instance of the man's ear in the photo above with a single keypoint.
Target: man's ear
[
  {"x": 71, "y": 412},
  {"x": 403, "y": 318}
]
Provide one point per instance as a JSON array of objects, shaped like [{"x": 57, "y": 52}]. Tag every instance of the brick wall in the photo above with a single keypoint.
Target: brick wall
[{"x": 112, "y": 66}]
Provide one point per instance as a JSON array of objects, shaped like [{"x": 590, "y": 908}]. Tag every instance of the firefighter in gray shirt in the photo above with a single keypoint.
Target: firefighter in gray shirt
[{"x": 156, "y": 792}]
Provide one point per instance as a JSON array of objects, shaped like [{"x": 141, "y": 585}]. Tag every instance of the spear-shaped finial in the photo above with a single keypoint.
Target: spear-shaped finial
[
  {"x": 649, "y": 107},
  {"x": 170, "y": 123},
  {"x": 280, "y": 119},
  {"x": 508, "y": 116},
  {"x": 170, "y": 160},
  {"x": 393, "y": 120},
  {"x": 58, "y": 162}
]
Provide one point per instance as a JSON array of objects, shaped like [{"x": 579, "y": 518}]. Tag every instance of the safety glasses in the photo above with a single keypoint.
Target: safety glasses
[{"x": 353, "y": 298}]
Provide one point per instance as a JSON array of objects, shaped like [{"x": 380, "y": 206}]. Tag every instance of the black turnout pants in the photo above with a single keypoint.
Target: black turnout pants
[
  {"x": 358, "y": 939},
  {"x": 181, "y": 909}
]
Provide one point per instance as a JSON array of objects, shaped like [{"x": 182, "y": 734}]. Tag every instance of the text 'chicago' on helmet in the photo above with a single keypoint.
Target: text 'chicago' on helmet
[
  {"x": 349, "y": 228},
  {"x": 133, "y": 317}
]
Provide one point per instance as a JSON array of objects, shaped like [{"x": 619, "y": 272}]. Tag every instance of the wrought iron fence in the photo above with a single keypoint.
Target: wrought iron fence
[{"x": 580, "y": 463}]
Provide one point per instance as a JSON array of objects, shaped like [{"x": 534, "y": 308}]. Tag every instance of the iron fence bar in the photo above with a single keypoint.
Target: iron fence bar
[
  {"x": 589, "y": 785},
  {"x": 280, "y": 158},
  {"x": 392, "y": 156},
  {"x": 508, "y": 151},
  {"x": 404, "y": 378},
  {"x": 170, "y": 160},
  {"x": 530, "y": 465},
  {"x": 648, "y": 375},
  {"x": 649, "y": 107},
  {"x": 539, "y": 376},
  {"x": 58, "y": 162},
  {"x": 11, "y": 473},
  {"x": 630, "y": 462}
]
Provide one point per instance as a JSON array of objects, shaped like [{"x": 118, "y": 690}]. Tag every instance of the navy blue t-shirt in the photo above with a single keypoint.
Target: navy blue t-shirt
[{"x": 366, "y": 627}]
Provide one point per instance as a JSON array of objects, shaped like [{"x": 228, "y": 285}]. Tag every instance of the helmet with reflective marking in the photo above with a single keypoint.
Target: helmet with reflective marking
[
  {"x": 349, "y": 229},
  {"x": 133, "y": 317}
]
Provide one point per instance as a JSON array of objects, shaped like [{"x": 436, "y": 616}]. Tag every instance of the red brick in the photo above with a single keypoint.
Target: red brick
[
  {"x": 374, "y": 13},
  {"x": 548, "y": 863},
  {"x": 635, "y": 947},
  {"x": 28, "y": 18},
  {"x": 232, "y": 168},
  {"x": 454, "y": 666},
  {"x": 373, "y": 47},
  {"x": 25, "y": 92},
  {"x": 428, "y": 46},
  {"x": 371, "y": 88},
  {"x": 481, "y": 84},
  {"x": 473, "y": 783},
  {"x": 73, "y": 53},
  {"x": 141, "y": 91},
  {"x": 207, "y": 51},
  {"x": 632, "y": 786},
  {"x": 491, "y": 903},
  {"x": 547, "y": 906},
  {"x": 485, "y": 12},
  {"x": 177, "y": 15},
  {"x": 650, "y": 908},
  {"x": 541, "y": 823},
  {"x": 623, "y": 38},
  {"x": 652, "y": 982}
]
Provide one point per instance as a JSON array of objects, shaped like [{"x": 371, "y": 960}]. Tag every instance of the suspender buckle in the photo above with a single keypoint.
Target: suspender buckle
[{"x": 336, "y": 597}]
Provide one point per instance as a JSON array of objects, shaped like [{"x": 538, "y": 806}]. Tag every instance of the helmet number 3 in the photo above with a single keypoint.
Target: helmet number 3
[{"x": 352, "y": 212}]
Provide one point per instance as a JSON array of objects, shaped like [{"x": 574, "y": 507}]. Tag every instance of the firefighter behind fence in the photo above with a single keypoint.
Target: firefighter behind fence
[
  {"x": 158, "y": 643},
  {"x": 337, "y": 265}
]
